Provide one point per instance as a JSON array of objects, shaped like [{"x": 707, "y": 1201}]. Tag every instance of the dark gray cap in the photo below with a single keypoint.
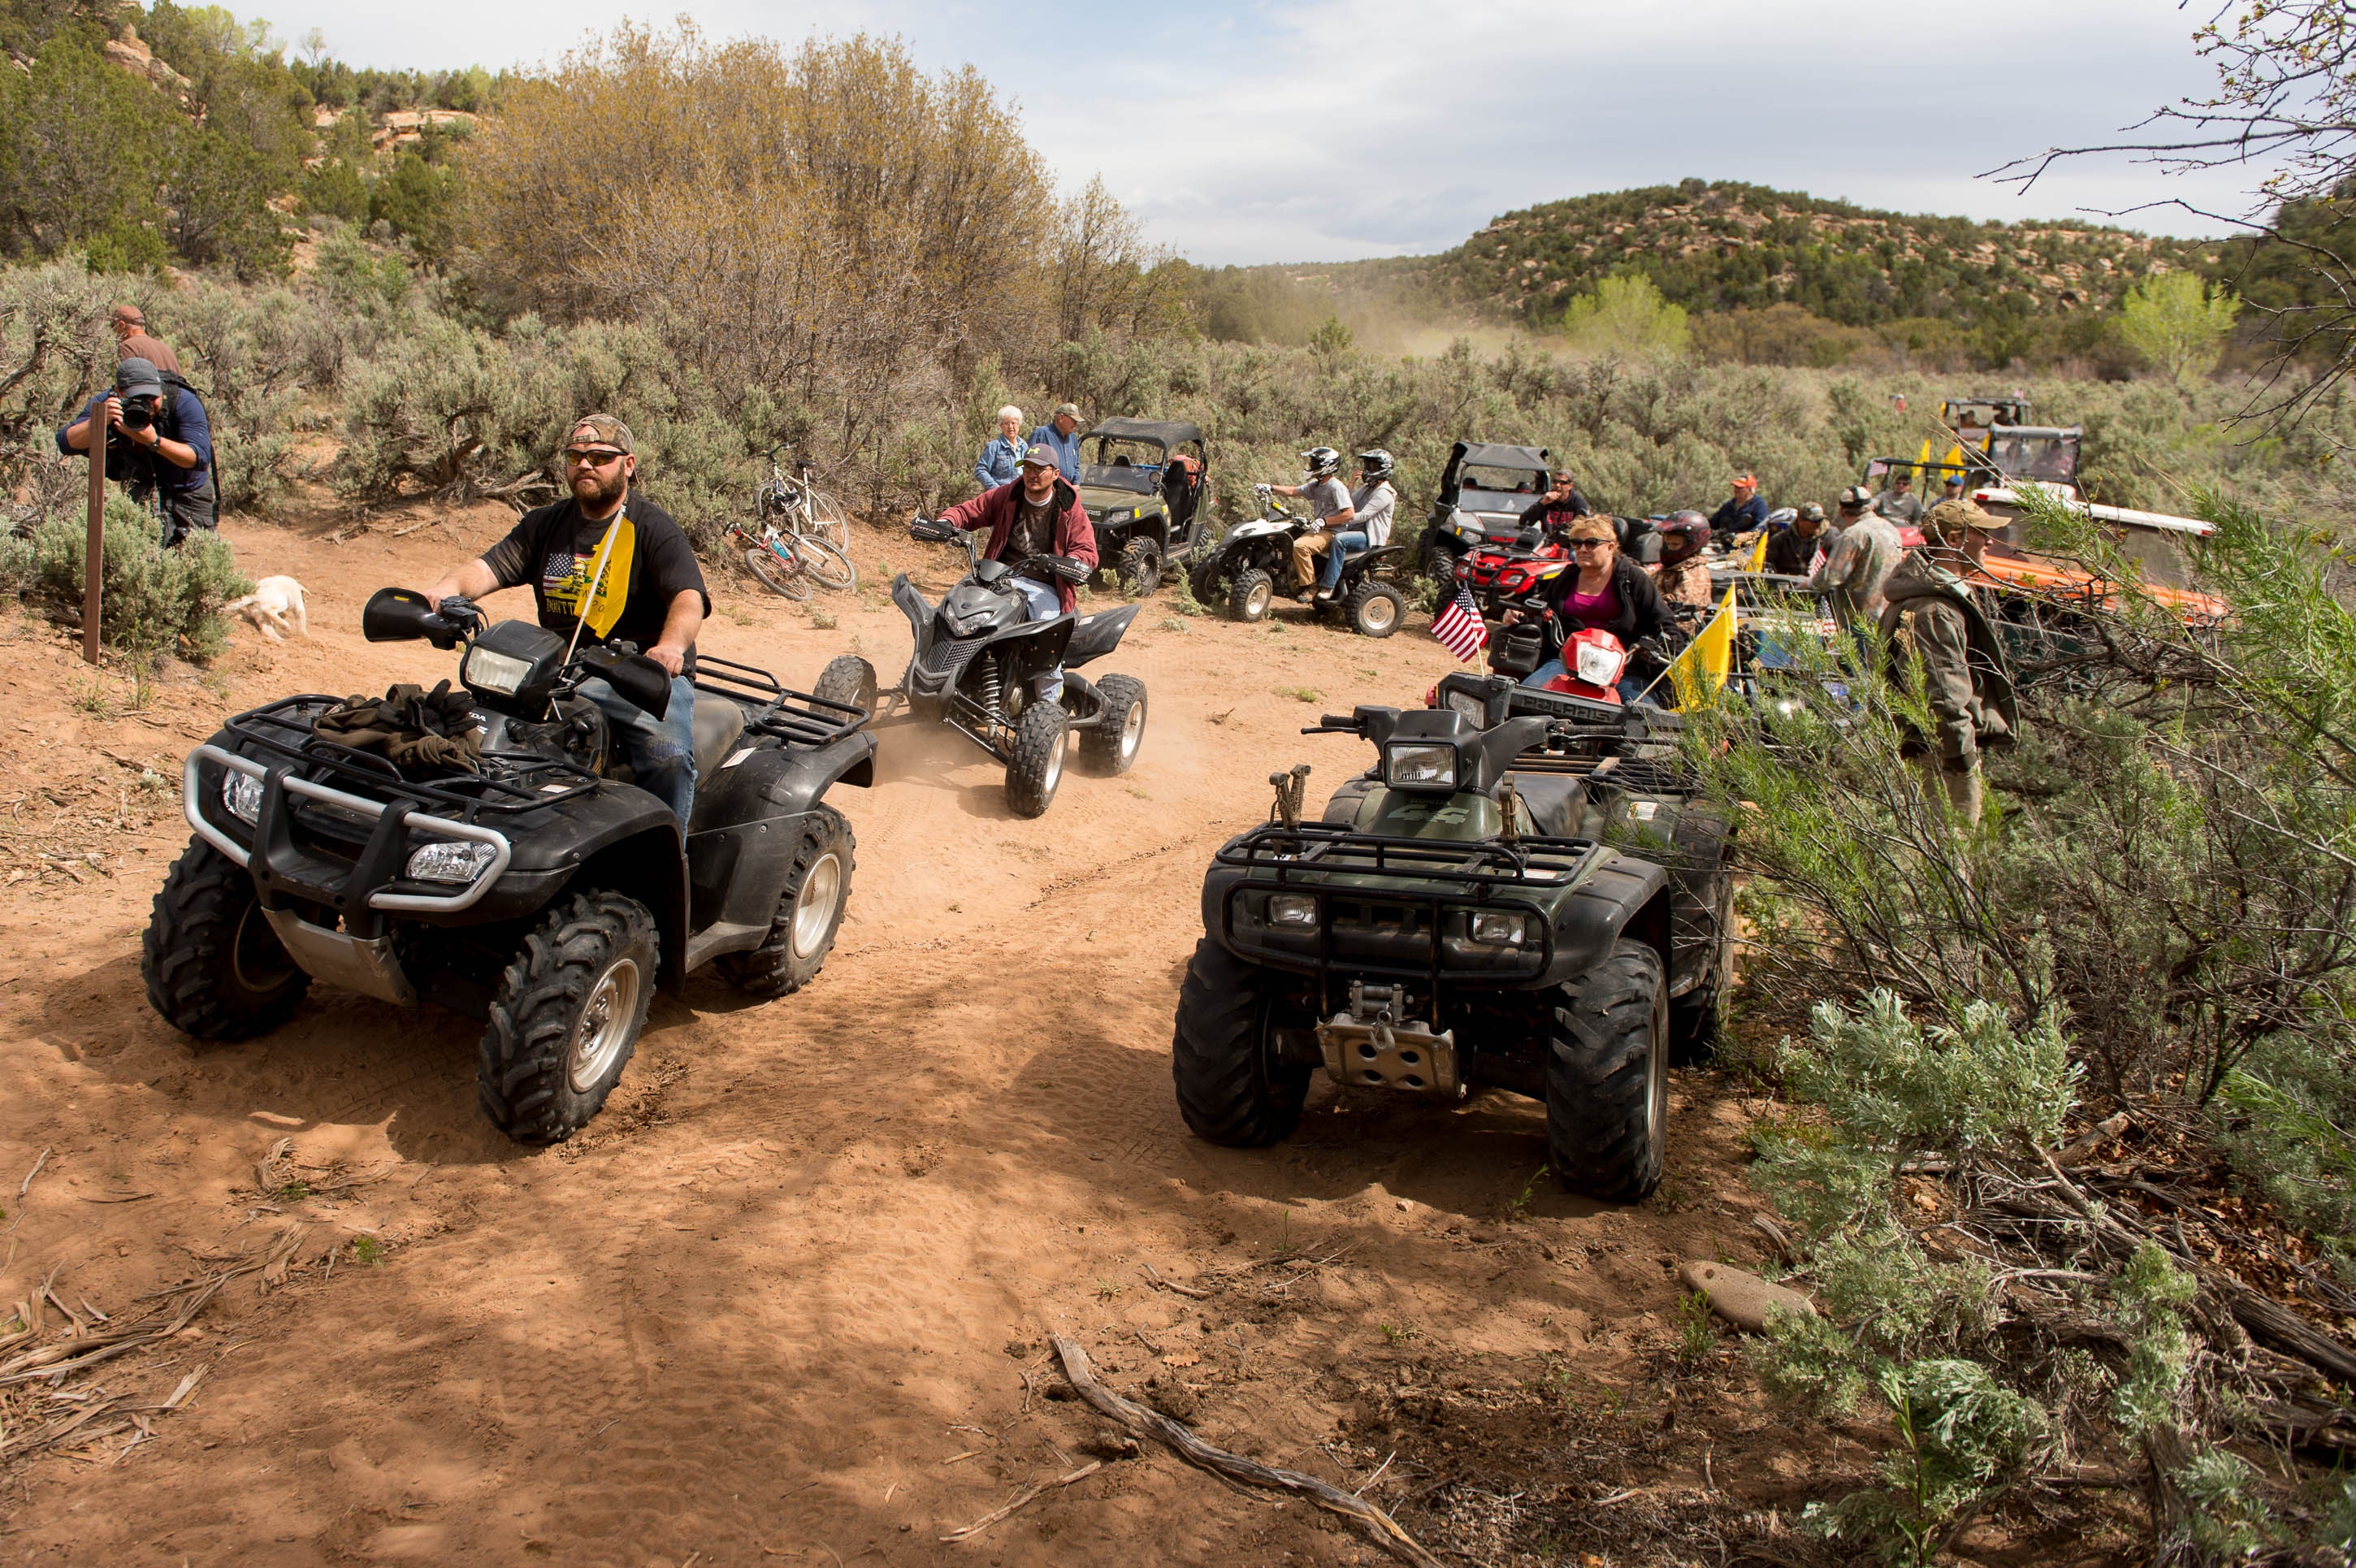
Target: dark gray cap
[{"x": 137, "y": 377}]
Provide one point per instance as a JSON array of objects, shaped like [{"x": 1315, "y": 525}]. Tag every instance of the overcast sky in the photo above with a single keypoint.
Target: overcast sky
[{"x": 1326, "y": 130}]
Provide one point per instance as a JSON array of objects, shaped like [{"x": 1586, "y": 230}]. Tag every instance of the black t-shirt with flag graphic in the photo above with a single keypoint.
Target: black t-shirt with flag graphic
[{"x": 555, "y": 549}]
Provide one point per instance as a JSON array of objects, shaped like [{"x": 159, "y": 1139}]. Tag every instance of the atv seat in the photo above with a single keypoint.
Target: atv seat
[
  {"x": 719, "y": 723},
  {"x": 1555, "y": 800}
]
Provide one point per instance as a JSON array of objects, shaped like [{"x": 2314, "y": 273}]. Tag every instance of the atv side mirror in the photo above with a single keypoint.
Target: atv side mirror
[
  {"x": 404, "y": 615},
  {"x": 642, "y": 682},
  {"x": 932, "y": 531}
]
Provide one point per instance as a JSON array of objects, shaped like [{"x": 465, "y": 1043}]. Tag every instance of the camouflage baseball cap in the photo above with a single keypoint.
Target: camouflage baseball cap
[
  {"x": 1948, "y": 520},
  {"x": 602, "y": 427},
  {"x": 1812, "y": 512}
]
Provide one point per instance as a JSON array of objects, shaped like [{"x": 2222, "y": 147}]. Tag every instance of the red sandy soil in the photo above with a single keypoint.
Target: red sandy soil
[{"x": 786, "y": 1300}]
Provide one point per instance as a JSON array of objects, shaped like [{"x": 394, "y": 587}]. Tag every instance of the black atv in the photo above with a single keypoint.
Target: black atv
[
  {"x": 1254, "y": 557},
  {"x": 543, "y": 893},
  {"x": 1144, "y": 482},
  {"x": 1519, "y": 893},
  {"x": 977, "y": 653}
]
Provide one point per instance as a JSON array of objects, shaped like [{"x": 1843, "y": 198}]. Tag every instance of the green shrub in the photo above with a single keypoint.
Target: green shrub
[{"x": 152, "y": 600}]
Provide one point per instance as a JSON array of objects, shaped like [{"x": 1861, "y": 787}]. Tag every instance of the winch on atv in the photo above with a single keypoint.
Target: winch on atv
[
  {"x": 537, "y": 889},
  {"x": 977, "y": 660},
  {"x": 1521, "y": 893}
]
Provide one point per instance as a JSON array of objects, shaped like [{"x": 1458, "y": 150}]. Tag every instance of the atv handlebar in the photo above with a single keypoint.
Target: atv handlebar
[{"x": 1335, "y": 723}]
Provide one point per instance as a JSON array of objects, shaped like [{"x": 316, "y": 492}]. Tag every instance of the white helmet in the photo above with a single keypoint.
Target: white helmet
[{"x": 1322, "y": 462}]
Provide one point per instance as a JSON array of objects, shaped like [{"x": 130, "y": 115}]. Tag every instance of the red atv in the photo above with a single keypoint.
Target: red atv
[{"x": 1500, "y": 573}]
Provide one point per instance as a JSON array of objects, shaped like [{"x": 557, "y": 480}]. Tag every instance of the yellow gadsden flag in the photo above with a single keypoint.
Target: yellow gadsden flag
[
  {"x": 1758, "y": 561},
  {"x": 1700, "y": 671}
]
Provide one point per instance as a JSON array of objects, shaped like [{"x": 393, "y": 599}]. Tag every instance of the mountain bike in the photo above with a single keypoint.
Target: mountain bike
[
  {"x": 789, "y": 508},
  {"x": 786, "y": 562}
]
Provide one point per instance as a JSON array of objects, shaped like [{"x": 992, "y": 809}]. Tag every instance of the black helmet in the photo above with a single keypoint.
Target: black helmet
[
  {"x": 1683, "y": 536},
  {"x": 1323, "y": 462},
  {"x": 1376, "y": 462}
]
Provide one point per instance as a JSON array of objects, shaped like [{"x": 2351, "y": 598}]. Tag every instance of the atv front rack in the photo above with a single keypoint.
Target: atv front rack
[
  {"x": 514, "y": 781},
  {"x": 1331, "y": 848}
]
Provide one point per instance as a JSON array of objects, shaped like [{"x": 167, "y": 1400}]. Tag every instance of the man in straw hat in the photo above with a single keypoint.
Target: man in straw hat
[
  {"x": 1932, "y": 616},
  {"x": 612, "y": 563}
]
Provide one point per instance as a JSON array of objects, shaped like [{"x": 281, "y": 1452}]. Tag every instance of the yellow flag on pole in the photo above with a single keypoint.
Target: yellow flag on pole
[
  {"x": 1758, "y": 561},
  {"x": 1700, "y": 671}
]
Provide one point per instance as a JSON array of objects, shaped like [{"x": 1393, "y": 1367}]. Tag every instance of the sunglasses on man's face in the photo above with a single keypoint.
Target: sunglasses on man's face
[{"x": 588, "y": 457}]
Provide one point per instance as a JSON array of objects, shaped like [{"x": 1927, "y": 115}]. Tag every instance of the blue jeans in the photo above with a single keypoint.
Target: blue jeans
[
  {"x": 661, "y": 751},
  {"x": 1045, "y": 603},
  {"x": 1631, "y": 687},
  {"x": 1345, "y": 545}
]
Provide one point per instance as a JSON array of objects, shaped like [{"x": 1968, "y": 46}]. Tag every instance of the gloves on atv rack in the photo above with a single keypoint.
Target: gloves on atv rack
[{"x": 420, "y": 732}]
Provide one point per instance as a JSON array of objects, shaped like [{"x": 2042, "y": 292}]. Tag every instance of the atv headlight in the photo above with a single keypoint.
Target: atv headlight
[
  {"x": 1292, "y": 909},
  {"x": 488, "y": 672},
  {"x": 1428, "y": 766},
  {"x": 1472, "y": 704},
  {"x": 241, "y": 796},
  {"x": 1500, "y": 928},
  {"x": 455, "y": 861}
]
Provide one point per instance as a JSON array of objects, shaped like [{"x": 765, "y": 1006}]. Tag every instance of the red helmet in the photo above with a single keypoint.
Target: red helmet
[{"x": 1682, "y": 536}]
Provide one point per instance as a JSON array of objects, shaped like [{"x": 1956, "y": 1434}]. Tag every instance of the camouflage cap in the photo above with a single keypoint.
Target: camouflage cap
[
  {"x": 602, "y": 427},
  {"x": 1948, "y": 520},
  {"x": 1812, "y": 512}
]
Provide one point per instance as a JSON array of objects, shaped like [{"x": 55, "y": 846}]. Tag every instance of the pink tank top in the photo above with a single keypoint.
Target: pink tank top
[{"x": 1591, "y": 610}]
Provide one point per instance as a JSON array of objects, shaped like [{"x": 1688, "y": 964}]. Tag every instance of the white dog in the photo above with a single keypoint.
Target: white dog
[{"x": 275, "y": 604}]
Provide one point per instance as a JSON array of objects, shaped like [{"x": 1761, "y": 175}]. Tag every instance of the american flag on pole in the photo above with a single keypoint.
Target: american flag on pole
[
  {"x": 1817, "y": 562},
  {"x": 1459, "y": 626}
]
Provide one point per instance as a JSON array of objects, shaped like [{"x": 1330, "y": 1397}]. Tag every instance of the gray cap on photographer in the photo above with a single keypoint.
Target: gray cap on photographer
[{"x": 137, "y": 377}]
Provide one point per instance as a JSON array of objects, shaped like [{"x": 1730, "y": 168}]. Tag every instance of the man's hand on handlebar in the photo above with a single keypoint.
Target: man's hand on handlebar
[{"x": 461, "y": 612}]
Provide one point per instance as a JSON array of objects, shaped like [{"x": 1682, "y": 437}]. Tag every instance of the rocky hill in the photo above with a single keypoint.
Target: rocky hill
[{"x": 1723, "y": 246}]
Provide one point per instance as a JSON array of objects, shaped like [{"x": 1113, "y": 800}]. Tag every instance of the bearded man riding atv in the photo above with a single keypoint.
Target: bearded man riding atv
[{"x": 606, "y": 565}]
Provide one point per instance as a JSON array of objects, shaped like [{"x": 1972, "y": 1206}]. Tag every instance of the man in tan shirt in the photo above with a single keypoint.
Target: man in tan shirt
[{"x": 132, "y": 342}]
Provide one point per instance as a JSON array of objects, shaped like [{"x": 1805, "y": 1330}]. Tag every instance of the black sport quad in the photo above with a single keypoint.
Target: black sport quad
[
  {"x": 544, "y": 893},
  {"x": 1252, "y": 565},
  {"x": 1519, "y": 893},
  {"x": 977, "y": 652},
  {"x": 1144, "y": 482}
]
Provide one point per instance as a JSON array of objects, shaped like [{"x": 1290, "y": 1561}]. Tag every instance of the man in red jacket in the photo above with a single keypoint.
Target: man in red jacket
[{"x": 1038, "y": 514}]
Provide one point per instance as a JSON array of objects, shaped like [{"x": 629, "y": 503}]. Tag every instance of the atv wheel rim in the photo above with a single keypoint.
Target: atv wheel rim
[
  {"x": 1132, "y": 729},
  {"x": 1256, "y": 602},
  {"x": 1656, "y": 1077},
  {"x": 1377, "y": 614},
  {"x": 1055, "y": 774},
  {"x": 814, "y": 910},
  {"x": 604, "y": 1027},
  {"x": 257, "y": 959}
]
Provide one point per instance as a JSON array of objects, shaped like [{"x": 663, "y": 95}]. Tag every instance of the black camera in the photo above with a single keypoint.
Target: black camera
[{"x": 138, "y": 413}]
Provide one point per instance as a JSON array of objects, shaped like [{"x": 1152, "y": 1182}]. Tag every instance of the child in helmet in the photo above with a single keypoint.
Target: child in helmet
[
  {"x": 1683, "y": 576},
  {"x": 1329, "y": 503}
]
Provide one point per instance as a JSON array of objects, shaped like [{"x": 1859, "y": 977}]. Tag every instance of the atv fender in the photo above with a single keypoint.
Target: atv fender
[
  {"x": 1095, "y": 635},
  {"x": 737, "y": 867},
  {"x": 648, "y": 866},
  {"x": 920, "y": 614},
  {"x": 1621, "y": 896}
]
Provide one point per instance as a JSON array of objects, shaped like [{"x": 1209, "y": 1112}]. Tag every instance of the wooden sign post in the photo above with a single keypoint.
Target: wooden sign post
[{"x": 93, "y": 560}]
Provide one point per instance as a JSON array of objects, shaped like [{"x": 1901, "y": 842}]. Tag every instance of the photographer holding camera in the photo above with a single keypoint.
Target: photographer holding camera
[{"x": 158, "y": 443}]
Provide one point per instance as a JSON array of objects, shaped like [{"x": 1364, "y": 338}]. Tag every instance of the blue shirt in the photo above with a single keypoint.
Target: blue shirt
[
  {"x": 179, "y": 417},
  {"x": 1001, "y": 461},
  {"x": 1740, "y": 516},
  {"x": 1065, "y": 447}
]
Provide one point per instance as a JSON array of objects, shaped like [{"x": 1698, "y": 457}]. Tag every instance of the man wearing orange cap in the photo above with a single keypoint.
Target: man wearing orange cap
[{"x": 1742, "y": 512}]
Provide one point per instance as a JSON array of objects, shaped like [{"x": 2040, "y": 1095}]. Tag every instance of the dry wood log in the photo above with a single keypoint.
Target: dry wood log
[
  {"x": 2271, "y": 1323},
  {"x": 1379, "y": 1526}
]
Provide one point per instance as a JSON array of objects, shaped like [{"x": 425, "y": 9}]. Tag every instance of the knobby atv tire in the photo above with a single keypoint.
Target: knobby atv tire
[
  {"x": 526, "y": 1075},
  {"x": 1112, "y": 745},
  {"x": 1696, "y": 1017},
  {"x": 849, "y": 679},
  {"x": 1202, "y": 582},
  {"x": 1607, "y": 1077},
  {"x": 214, "y": 967},
  {"x": 1250, "y": 593},
  {"x": 1231, "y": 1089},
  {"x": 1138, "y": 568},
  {"x": 1439, "y": 565},
  {"x": 1377, "y": 610},
  {"x": 1037, "y": 764},
  {"x": 800, "y": 939}
]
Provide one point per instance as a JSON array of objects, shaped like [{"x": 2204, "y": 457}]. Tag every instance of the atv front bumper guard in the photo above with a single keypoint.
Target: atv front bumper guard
[{"x": 282, "y": 874}]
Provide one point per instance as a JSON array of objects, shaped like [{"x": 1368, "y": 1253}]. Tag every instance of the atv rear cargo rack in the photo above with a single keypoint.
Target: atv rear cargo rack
[{"x": 798, "y": 718}]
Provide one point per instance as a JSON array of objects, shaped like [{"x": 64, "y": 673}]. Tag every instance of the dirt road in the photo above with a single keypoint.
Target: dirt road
[{"x": 786, "y": 1301}]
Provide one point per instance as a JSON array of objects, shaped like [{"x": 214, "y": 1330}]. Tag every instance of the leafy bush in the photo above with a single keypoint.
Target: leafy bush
[{"x": 150, "y": 600}]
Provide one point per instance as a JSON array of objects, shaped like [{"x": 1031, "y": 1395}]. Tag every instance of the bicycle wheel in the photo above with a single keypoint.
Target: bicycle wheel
[
  {"x": 827, "y": 564},
  {"x": 780, "y": 567},
  {"x": 828, "y": 518}
]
